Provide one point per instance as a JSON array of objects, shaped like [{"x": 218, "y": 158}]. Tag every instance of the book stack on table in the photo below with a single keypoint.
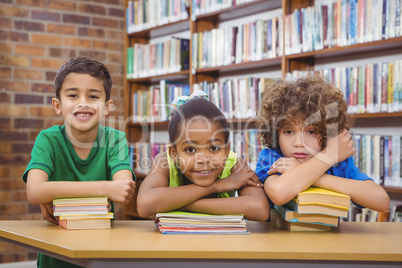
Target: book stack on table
[
  {"x": 180, "y": 222},
  {"x": 314, "y": 209},
  {"x": 83, "y": 213}
]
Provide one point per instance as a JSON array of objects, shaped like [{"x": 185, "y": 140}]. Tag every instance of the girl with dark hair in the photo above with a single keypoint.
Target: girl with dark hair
[{"x": 199, "y": 173}]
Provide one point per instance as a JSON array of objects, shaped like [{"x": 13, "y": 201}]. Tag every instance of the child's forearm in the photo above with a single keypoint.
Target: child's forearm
[
  {"x": 281, "y": 189},
  {"x": 162, "y": 199},
  {"x": 251, "y": 202},
  {"x": 365, "y": 193},
  {"x": 46, "y": 192}
]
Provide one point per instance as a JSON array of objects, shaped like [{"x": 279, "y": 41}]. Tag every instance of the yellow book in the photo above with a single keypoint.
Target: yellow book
[{"x": 325, "y": 197}]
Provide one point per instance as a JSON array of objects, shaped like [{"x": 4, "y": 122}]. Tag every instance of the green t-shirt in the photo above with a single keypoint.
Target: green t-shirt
[{"x": 54, "y": 154}]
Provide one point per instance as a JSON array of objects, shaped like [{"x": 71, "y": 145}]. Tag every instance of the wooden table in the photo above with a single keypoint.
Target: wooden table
[{"x": 357, "y": 244}]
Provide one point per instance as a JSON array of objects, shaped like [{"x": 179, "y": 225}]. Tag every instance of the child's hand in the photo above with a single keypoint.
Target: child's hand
[
  {"x": 47, "y": 213},
  {"x": 283, "y": 165},
  {"x": 339, "y": 148},
  {"x": 122, "y": 190},
  {"x": 241, "y": 177}
]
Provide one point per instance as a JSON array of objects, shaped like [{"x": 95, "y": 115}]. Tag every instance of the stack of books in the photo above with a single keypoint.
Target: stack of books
[
  {"x": 180, "y": 222},
  {"x": 314, "y": 209},
  {"x": 83, "y": 213}
]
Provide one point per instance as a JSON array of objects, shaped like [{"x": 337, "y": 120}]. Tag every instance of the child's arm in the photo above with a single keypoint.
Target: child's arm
[
  {"x": 252, "y": 202},
  {"x": 283, "y": 188},
  {"x": 41, "y": 191},
  {"x": 155, "y": 195},
  {"x": 365, "y": 193}
]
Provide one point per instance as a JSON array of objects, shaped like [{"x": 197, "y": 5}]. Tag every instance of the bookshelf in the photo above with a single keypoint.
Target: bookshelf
[{"x": 284, "y": 63}]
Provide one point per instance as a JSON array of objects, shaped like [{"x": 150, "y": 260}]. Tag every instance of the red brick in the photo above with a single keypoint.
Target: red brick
[
  {"x": 5, "y": 123},
  {"x": 28, "y": 99},
  {"x": 26, "y": 123},
  {"x": 13, "y": 110},
  {"x": 13, "y": 136},
  {"x": 5, "y": 72},
  {"x": 28, "y": 74},
  {"x": 50, "y": 123},
  {"x": 50, "y": 75},
  {"x": 63, "y": 5},
  {"x": 33, "y": 134},
  {"x": 6, "y": 47},
  {"x": 5, "y": 172},
  {"x": 5, "y": 197},
  {"x": 6, "y": 23},
  {"x": 45, "y": 39},
  {"x": 23, "y": 147},
  {"x": 99, "y": 55},
  {"x": 12, "y": 209},
  {"x": 33, "y": 208},
  {"x": 6, "y": 147},
  {"x": 5, "y": 97},
  {"x": 106, "y": 45},
  {"x": 61, "y": 52},
  {"x": 20, "y": 196},
  {"x": 91, "y": 32},
  {"x": 46, "y": 63},
  {"x": 61, "y": 29},
  {"x": 13, "y": 160},
  {"x": 35, "y": 3},
  {"x": 92, "y": 9},
  {"x": 45, "y": 15},
  {"x": 14, "y": 36},
  {"x": 29, "y": 50},
  {"x": 115, "y": 57},
  {"x": 112, "y": 23},
  {"x": 78, "y": 19},
  {"x": 115, "y": 35},
  {"x": 116, "y": 12},
  {"x": 118, "y": 3},
  {"x": 14, "y": 86},
  {"x": 48, "y": 88},
  {"x": 13, "y": 11},
  {"x": 42, "y": 111},
  {"x": 76, "y": 42},
  {"x": 14, "y": 60},
  {"x": 29, "y": 26},
  {"x": 17, "y": 171}
]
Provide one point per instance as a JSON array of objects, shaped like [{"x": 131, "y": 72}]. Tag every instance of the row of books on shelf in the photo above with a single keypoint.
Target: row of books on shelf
[
  {"x": 236, "y": 98},
  {"x": 358, "y": 214},
  {"x": 145, "y": 14},
  {"x": 380, "y": 158},
  {"x": 83, "y": 213},
  {"x": 368, "y": 88},
  {"x": 258, "y": 40},
  {"x": 145, "y": 60},
  {"x": 200, "y": 7},
  {"x": 153, "y": 105},
  {"x": 331, "y": 23}
]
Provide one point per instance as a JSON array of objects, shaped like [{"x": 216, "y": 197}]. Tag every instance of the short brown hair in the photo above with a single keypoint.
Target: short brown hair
[{"x": 308, "y": 100}]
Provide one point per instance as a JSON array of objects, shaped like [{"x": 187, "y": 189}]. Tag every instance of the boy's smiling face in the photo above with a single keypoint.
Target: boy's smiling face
[
  {"x": 201, "y": 151},
  {"x": 82, "y": 103}
]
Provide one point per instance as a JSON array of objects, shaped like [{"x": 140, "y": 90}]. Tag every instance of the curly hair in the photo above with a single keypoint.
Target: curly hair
[{"x": 309, "y": 100}]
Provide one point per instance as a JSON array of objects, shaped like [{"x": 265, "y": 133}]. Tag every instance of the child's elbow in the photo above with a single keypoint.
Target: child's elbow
[
  {"x": 143, "y": 210},
  {"x": 260, "y": 210},
  {"x": 278, "y": 195},
  {"x": 33, "y": 198},
  {"x": 384, "y": 203}
]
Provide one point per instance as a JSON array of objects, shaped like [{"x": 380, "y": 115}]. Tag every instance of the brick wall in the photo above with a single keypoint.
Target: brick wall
[{"x": 36, "y": 38}]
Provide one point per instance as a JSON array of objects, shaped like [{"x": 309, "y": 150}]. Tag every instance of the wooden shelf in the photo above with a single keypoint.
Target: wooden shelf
[
  {"x": 238, "y": 11},
  {"x": 183, "y": 75},
  {"x": 377, "y": 115},
  {"x": 379, "y": 45},
  {"x": 161, "y": 30},
  {"x": 244, "y": 66},
  {"x": 396, "y": 190}
]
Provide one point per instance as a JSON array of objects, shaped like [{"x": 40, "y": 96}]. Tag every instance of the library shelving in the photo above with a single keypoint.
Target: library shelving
[{"x": 200, "y": 20}]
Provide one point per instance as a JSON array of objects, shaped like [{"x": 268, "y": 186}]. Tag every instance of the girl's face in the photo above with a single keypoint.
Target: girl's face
[
  {"x": 299, "y": 142},
  {"x": 200, "y": 151}
]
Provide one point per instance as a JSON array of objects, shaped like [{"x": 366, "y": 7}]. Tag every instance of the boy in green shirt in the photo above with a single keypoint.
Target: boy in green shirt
[{"x": 80, "y": 158}]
